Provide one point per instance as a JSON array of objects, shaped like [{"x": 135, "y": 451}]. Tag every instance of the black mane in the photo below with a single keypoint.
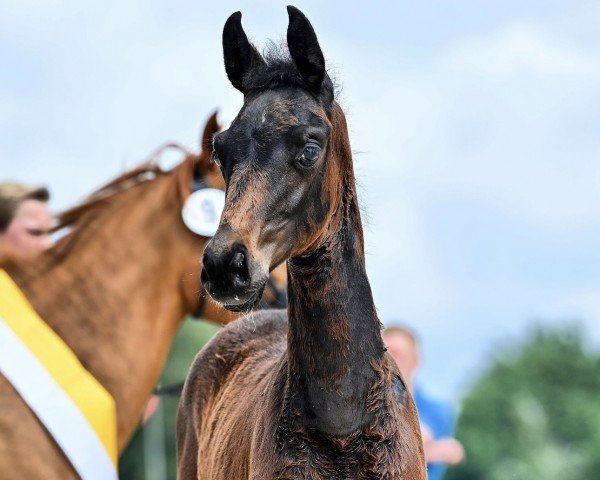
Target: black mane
[{"x": 279, "y": 70}]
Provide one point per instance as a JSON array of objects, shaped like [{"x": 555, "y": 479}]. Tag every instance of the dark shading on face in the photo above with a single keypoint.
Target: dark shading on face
[{"x": 275, "y": 161}]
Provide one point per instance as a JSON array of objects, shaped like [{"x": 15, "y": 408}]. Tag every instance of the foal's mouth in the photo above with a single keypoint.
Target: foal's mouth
[{"x": 239, "y": 304}]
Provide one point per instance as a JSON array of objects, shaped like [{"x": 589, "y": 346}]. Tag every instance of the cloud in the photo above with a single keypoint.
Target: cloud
[
  {"x": 521, "y": 48},
  {"x": 519, "y": 125},
  {"x": 509, "y": 118},
  {"x": 581, "y": 304}
]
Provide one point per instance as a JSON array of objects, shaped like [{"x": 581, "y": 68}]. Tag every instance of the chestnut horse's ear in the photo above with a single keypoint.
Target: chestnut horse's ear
[
  {"x": 239, "y": 54},
  {"x": 206, "y": 172},
  {"x": 206, "y": 142},
  {"x": 304, "y": 48}
]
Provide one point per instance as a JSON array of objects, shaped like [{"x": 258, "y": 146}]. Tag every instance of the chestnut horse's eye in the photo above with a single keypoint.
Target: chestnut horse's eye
[
  {"x": 215, "y": 158},
  {"x": 310, "y": 154}
]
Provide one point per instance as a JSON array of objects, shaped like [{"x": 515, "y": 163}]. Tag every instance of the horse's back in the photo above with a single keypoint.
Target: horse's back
[{"x": 228, "y": 374}]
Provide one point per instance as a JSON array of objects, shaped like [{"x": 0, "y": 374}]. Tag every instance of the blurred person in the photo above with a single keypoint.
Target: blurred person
[
  {"x": 436, "y": 416},
  {"x": 25, "y": 219}
]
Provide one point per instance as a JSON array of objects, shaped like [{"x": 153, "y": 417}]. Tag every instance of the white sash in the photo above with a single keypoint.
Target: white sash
[{"x": 54, "y": 408}]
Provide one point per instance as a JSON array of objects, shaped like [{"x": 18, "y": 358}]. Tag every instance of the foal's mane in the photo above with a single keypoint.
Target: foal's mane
[{"x": 279, "y": 70}]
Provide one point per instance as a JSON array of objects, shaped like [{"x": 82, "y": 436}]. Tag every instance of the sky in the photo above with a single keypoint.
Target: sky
[{"x": 474, "y": 125}]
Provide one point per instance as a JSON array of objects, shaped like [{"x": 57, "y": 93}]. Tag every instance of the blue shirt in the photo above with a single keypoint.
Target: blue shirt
[{"x": 438, "y": 417}]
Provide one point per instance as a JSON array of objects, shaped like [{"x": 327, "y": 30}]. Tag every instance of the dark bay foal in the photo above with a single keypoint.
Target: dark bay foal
[{"x": 309, "y": 393}]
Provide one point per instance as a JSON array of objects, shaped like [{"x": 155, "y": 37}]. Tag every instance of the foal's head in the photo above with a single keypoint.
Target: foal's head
[{"x": 280, "y": 159}]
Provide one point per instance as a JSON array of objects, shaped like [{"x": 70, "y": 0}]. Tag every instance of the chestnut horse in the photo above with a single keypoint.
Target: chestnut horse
[
  {"x": 309, "y": 393},
  {"x": 116, "y": 289}
]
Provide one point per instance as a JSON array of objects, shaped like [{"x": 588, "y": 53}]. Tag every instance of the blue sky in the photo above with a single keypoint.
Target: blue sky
[{"x": 475, "y": 126}]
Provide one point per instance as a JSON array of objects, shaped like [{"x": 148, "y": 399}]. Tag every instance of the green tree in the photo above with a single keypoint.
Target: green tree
[{"x": 535, "y": 412}]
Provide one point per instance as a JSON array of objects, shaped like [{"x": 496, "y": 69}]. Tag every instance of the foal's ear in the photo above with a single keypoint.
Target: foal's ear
[
  {"x": 304, "y": 48},
  {"x": 240, "y": 55}
]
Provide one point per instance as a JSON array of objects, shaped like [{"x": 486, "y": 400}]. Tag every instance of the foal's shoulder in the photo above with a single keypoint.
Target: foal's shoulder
[
  {"x": 261, "y": 333},
  {"x": 260, "y": 327},
  {"x": 258, "y": 324},
  {"x": 256, "y": 330}
]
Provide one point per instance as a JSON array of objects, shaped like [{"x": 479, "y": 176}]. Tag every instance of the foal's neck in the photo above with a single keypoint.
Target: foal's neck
[{"x": 334, "y": 332}]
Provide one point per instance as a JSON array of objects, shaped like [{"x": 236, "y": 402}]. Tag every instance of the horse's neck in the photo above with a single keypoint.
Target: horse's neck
[
  {"x": 334, "y": 332},
  {"x": 116, "y": 302}
]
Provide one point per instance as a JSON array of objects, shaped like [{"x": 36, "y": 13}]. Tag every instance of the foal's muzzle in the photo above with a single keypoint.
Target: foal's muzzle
[{"x": 231, "y": 277}]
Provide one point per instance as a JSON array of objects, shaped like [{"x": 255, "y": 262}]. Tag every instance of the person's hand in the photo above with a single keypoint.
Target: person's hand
[
  {"x": 451, "y": 450},
  {"x": 151, "y": 407},
  {"x": 444, "y": 450},
  {"x": 426, "y": 433}
]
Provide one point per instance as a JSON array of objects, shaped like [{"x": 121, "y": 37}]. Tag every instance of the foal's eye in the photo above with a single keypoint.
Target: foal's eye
[{"x": 310, "y": 154}]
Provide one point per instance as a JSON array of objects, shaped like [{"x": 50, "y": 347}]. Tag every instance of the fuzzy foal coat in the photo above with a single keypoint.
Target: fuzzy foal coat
[
  {"x": 230, "y": 425},
  {"x": 308, "y": 393}
]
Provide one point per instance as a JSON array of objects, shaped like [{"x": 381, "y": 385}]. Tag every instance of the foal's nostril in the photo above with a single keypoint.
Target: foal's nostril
[
  {"x": 225, "y": 269},
  {"x": 239, "y": 268},
  {"x": 238, "y": 260}
]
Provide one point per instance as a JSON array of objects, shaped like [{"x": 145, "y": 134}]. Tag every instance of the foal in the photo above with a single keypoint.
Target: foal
[{"x": 311, "y": 394}]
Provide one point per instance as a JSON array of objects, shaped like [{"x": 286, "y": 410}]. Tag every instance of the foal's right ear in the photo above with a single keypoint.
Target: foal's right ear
[
  {"x": 304, "y": 48},
  {"x": 240, "y": 55}
]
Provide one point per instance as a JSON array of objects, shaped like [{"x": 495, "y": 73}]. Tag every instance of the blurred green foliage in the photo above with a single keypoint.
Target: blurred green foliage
[
  {"x": 535, "y": 412},
  {"x": 135, "y": 463}
]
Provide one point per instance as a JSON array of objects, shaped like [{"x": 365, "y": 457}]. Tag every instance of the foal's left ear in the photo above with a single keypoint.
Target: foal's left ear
[
  {"x": 304, "y": 48},
  {"x": 239, "y": 54}
]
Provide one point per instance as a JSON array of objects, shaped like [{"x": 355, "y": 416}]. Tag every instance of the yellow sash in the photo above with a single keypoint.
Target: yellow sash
[{"x": 93, "y": 401}]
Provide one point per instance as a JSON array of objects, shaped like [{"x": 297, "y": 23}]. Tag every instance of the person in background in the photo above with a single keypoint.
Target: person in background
[
  {"x": 436, "y": 417},
  {"x": 25, "y": 219}
]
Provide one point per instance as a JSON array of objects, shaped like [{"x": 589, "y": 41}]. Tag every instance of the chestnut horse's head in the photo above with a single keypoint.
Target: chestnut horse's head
[{"x": 278, "y": 159}]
